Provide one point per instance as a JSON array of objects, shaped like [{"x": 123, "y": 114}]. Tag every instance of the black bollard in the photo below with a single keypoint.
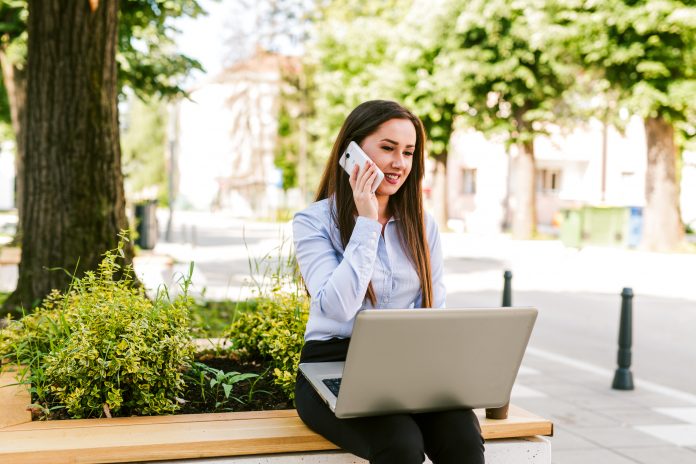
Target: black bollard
[
  {"x": 623, "y": 378},
  {"x": 502, "y": 412},
  {"x": 507, "y": 289}
]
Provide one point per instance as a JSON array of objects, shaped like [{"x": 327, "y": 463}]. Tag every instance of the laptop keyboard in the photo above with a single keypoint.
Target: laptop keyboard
[{"x": 333, "y": 384}]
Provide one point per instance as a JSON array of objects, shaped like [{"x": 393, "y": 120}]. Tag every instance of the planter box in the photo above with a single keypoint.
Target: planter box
[{"x": 244, "y": 437}]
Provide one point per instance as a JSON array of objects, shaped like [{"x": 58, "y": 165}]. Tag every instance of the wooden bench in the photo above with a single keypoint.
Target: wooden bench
[{"x": 244, "y": 437}]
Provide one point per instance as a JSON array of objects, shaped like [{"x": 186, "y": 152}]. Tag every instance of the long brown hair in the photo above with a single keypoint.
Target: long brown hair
[{"x": 406, "y": 204}]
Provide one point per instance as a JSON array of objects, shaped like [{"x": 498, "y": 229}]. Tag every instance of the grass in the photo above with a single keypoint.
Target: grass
[{"x": 212, "y": 318}]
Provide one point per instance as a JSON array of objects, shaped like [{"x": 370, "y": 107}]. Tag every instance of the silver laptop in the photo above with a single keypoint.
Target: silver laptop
[{"x": 418, "y": 360}]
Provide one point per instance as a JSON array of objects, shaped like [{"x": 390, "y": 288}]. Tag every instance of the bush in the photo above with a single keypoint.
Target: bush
[
  {"x": 274, "y": 334},
  {"x": 103, "y": 348}
]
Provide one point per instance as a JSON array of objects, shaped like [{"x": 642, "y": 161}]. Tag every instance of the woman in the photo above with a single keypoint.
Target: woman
[{"x": 357, "y": 249}]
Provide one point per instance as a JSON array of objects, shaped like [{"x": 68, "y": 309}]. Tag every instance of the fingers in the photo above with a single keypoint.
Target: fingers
[
  {"x": 353, "y": 179},
  {"x": 369, "y": 172}
]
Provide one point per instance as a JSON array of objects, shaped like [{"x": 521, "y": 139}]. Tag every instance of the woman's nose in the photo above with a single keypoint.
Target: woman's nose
[{"x": 398, "y": 160}]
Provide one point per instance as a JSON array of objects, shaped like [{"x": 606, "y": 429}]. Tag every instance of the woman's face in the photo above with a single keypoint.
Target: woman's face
[{"x": 392, "y": 147}]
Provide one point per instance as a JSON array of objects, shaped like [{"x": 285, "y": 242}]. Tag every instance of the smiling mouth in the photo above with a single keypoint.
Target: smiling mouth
[{"x": 392, "y": 178}]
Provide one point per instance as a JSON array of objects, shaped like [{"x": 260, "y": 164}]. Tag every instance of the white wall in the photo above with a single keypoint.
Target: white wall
[{"x": 7, "y": 175}]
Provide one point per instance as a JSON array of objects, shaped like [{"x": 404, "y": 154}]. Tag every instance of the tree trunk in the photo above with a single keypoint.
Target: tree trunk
[
  {"x": 662, "y": 226},
  {"x": 524, "y": 199},
  {"x": 74, "y": 202},
  {"x": 16, "y": 85},
  {"x": 441, "y": 190}
]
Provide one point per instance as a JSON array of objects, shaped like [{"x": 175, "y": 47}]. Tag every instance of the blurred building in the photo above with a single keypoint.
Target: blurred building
[
  {"x": 226, "y": 139},
  {"x": 7, "y": 175},
  {"x": 570, "y": 171}
]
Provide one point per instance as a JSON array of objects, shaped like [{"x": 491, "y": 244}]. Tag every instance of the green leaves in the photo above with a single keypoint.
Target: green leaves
[
  {"x": 103, "y": 347},
  {"x": 216, "y": 384},
  {"x": 645, "y": 50},
  {"x": 274, "y": 332}
]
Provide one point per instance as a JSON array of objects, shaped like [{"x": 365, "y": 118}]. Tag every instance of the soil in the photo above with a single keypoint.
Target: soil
[{"x": 257, "y": 394}]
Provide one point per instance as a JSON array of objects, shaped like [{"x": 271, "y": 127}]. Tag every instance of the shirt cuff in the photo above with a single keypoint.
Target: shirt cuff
[{"x": 366, "y": 231}]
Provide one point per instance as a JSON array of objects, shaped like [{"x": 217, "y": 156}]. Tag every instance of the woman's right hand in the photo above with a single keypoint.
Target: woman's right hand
[{"x": 361, "y": 181}]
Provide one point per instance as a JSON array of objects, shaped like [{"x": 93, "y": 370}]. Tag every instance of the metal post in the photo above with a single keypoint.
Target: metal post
[
  {"x": 507, "y": 289},
  {"x": 502, "y": 412},
  {"x": 623, "y": 378}
]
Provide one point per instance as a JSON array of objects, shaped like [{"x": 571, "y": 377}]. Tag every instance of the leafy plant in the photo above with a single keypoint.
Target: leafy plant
[
  {"x": 103, "y": 348},
  {"x": 274, "y": 333},
  {"x": 215, "y": 386}
]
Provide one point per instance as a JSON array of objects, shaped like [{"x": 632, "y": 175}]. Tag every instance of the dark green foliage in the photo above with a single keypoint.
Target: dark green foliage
[
  {"x": 495, "y": 62},
  {"x": 147, "y": 62},
  {"x": 643, "y": 50},
  {"x": 146, "y": 59}
]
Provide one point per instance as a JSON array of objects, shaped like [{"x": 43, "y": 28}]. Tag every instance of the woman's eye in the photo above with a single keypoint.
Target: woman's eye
[
  {"x": 387, "y": 148},
  {"x": 408, "y": 153}
]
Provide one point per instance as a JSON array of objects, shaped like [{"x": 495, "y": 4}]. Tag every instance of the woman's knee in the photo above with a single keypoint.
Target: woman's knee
[
  {"x": 399, "y": 440},
  {"x": 453, "y": 436}
]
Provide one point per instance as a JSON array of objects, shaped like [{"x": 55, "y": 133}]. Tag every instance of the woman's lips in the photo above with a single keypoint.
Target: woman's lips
[{"x": 392, "y": 180}]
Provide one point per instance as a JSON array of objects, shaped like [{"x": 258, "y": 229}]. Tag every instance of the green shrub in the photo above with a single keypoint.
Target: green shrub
[
  {"x": 103, "y": 348},
  {"x": 274, "y": 333}
]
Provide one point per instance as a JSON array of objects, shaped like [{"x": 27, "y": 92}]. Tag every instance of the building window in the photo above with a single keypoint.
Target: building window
[
  {"x": 548, "y": 180},
  {"x": 468, "y": 181}
]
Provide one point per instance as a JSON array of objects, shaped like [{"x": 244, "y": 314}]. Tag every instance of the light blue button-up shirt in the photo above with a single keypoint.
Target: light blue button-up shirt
[{"x": 337, "y": 278}]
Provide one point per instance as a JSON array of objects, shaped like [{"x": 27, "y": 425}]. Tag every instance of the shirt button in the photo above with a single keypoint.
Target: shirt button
[
  {"x": 372, "y": 242},
  {"x": 374, "y": 234}
]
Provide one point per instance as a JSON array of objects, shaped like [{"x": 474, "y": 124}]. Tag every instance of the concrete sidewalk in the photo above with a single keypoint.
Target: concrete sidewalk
[{"x": 595, "y": 424}]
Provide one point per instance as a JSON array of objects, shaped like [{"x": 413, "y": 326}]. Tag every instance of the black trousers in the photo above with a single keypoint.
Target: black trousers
[{"x": 446, "y": 436}]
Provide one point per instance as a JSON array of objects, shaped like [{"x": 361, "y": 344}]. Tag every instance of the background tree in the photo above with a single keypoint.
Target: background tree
[
  {"x": 75, "y": 205},
  {"x": 295, "y": 108},
  {"x": 72, "y": 159},
  {"x": 349, "y": 54},
  {"x": 413, "y": 56},
  {"x": 147, "y": 62},
  {"x": 495, "y": 62},
  {"x": 143, "y": 143},
  {"x": 646, "y": 51}
]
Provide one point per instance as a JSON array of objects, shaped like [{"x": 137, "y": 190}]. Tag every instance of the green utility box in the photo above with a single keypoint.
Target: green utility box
[
  {"x": 571, "y": 228},
  {"x": 604, "y": 225},
  {"x": 601, "y": 225}
]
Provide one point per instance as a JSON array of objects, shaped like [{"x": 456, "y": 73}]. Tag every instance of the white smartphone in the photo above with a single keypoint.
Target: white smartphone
[{"x": 355, "y": 155}]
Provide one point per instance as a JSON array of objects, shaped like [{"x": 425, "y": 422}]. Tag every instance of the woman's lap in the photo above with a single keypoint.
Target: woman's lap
[{"x": 446, "y": 436}]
